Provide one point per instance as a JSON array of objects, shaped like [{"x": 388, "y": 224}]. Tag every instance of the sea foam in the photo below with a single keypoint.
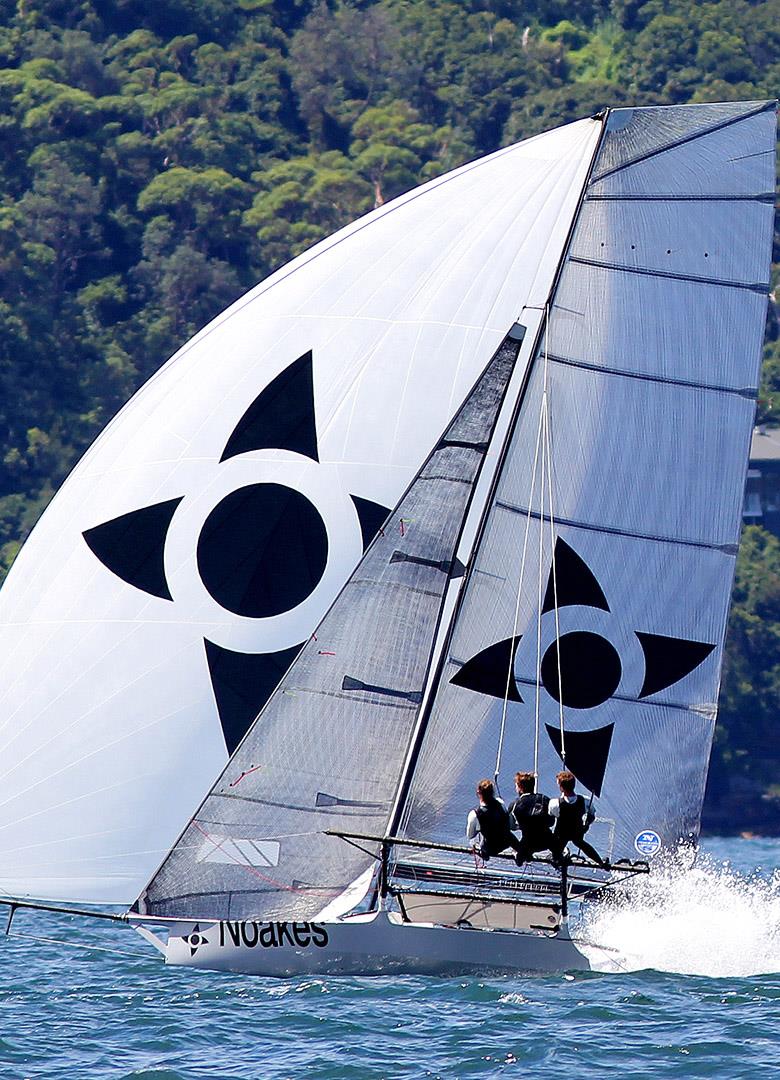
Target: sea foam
[{"x": 701, "y": 919}]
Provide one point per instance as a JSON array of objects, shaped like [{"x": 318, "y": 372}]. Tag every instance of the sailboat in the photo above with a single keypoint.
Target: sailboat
[{"x": 526, "y": 390}]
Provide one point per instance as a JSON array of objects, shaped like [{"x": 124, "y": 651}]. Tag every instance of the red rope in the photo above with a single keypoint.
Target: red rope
[{"x": 246, "y": 772}]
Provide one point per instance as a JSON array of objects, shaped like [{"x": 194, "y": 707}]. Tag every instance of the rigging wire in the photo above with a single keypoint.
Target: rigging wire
[
  {"x": 539, "y": 598},
  {"x": 510, "y": 663},
  {"x": 80, "y": 945},
  {"x": 553, "y": 567},
  {"x": 545, "y": 472}
]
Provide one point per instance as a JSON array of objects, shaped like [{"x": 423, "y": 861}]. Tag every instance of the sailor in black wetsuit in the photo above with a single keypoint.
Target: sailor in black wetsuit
[
  {"x": 491, "y": 820},
  {"x": 530, "y": 812},
  {"x": 574, "y": 818}
]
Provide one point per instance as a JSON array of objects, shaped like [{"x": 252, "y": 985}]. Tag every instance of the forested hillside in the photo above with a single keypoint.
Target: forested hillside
[{"x": 157, "y": 159}]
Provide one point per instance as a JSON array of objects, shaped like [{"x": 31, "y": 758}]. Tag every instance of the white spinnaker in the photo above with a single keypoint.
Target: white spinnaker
[{"x": 109, "y": 731}]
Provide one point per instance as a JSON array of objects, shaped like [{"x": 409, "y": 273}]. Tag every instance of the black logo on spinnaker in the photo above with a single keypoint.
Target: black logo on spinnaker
[{"x": 261, "y": 551}]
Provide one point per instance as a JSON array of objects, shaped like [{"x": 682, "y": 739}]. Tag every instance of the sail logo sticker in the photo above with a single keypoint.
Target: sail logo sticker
[
  {"x": 261, "y": 551},
  {"x": 195, "y": 939},
  {"x": 647, "y": 842},
  {"x": 582, "y": 670}
]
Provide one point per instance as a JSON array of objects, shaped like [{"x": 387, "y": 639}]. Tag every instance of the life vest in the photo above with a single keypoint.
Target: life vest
[
  {"x": 573, "y": 818},
  {"x": 531, "y": 813},
  {"x": 493, "y": 820}
]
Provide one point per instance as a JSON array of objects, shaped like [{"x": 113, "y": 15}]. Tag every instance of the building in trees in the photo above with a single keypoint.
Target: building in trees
[{"x": 762, "y": 493}]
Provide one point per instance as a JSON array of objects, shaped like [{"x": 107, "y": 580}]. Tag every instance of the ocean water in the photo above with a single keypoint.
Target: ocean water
[{"x": 688, "y": 986}]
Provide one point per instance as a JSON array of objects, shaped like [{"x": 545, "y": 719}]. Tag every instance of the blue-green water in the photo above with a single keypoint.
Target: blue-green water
[{"x": 692, "y": 990}]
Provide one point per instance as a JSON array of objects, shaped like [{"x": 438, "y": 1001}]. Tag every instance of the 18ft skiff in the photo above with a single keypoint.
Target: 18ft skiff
[{"x": 547, "y": 363}]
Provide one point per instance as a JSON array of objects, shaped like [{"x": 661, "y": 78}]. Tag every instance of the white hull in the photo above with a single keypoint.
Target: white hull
[{"x": 376, "y": 943}]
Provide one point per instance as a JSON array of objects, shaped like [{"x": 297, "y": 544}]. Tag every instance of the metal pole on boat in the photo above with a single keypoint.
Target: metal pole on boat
[
  {"x": 383, "y": 875},
  {"x": 564, "y": 889}
]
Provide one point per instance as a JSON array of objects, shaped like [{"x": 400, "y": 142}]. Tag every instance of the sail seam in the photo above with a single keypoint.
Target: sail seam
[
  {"x": 764, "y": 197},
  {"x": 726, "y": 549},
  {"x": 765, "y": 107},
  {"x": 756, "y": 287},
  {"x": 736, "y": 391}
]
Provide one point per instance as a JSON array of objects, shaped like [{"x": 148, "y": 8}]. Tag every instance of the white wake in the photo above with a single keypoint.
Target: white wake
[{"x": 703, "y": 920}]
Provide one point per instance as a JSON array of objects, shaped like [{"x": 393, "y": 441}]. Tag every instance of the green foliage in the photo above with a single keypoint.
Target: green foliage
[
  {"x": 158, "y": 159},
  {"x": 750, "y": 693}
]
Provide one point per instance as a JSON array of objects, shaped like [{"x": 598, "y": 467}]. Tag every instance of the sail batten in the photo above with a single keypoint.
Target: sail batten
[
  {"x": 740, "y": 391},
  {"x": 764, "y": 197},
  {"x": 607, "y": 530},
  {"x": 642, "y": 239},
  {"x": 761, "y": 287}
]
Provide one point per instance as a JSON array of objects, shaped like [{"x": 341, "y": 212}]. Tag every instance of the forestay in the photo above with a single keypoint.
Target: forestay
[
  {"x": 651, "y": 361},
  {"x": 327, "y": 750}
]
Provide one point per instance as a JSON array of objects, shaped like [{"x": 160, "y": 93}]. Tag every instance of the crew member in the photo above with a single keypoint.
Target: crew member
[
  {"x": 491, "y": 820},
  {"x": 573, "y": 819},
  {"x": 530, "y": 812}
]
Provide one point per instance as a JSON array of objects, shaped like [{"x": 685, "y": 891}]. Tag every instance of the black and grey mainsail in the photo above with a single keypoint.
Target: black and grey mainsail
[
  {"x": 649, "y": 367},
  {"x": 590, "y": 621},
  {"x": 327, "y": 750}
]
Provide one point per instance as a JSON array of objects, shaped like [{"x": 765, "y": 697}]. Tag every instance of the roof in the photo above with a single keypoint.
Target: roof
[{"x": 765, "y": 445}]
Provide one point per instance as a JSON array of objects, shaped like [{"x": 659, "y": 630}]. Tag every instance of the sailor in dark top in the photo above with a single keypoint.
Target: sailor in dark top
[
  {"x": 574, "y": 818},
  {"x": 530, "y": 812},
  {"x": 491, "y": 820}
]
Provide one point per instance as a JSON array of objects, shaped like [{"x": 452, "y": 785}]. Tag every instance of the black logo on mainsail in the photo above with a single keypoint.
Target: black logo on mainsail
[
  {"x": 261, "y": 551},
  {"x": 583, "y": 669}
]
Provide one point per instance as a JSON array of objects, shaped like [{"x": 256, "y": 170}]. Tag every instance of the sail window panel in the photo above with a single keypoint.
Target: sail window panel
[
  {"x": 686, "y": 331},
  {"x": 723, "y": 162},
  {"x": 314, "y": 735},
  {"x": 341, "y": 718},
  {"x": 639, "y": 457},
  {"x": 723, "y": 241},
  {"x": 633, "y": 133}
]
